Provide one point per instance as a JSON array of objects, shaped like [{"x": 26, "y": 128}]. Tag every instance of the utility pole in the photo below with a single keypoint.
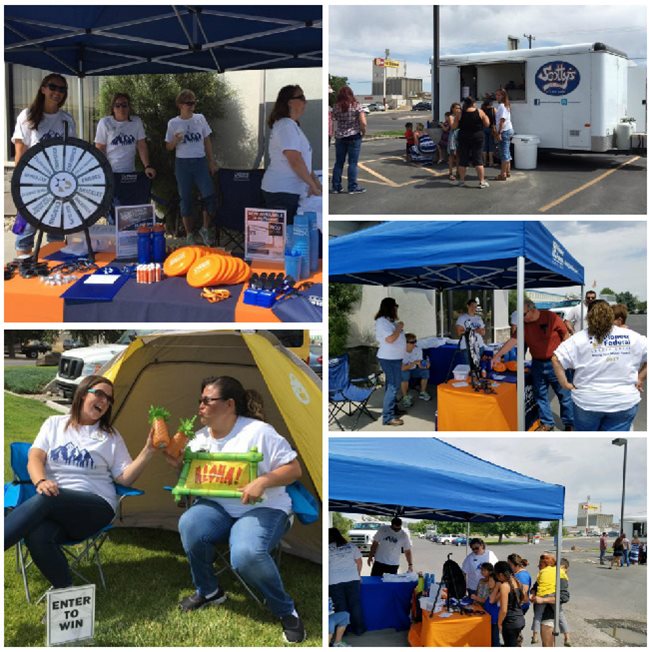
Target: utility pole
[
  {"x": 529, "y": 38},
  {"x": 385, "y": 74}
]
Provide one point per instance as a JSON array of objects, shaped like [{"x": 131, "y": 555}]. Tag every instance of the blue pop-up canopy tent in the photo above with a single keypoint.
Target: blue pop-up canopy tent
[
  {"x": 457, "y": 255},
  {"x": 429, "y": 478},
  {"x": 124, "y": 39}
]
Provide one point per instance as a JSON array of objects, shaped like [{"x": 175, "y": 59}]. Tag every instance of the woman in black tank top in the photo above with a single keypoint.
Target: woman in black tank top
[
  {"x": 471, "y": 140},
  {"x": 510, "y": 618}
]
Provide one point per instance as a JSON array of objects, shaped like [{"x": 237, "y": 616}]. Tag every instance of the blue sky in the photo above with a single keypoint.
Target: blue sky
[{"x": 359, "y": 33}]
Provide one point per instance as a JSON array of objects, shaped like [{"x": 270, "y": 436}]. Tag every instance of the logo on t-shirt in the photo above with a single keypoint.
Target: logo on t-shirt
[
  {"x": 123, "y": 139},
  {"x": 193, "y": 138},
  {"x": 72, "y": 456},
  {"x": 49, "y": 135},
  {"x": 391, "y": 539}
]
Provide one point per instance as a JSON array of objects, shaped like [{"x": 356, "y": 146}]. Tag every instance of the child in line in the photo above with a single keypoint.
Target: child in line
[
  {"x": 543, "y": 593},
  {"x": 454, "y": 128},
  {"x": 410, "y": 140},
  {"x": 487, "y": 595},
  {"x": 443, "y": 141}
]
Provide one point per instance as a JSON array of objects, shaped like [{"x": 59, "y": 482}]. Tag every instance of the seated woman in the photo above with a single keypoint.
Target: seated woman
[
  {"x": 73, "y": 463},
  {"x": 345, "y": 564},
  {"x": 424, "y": 150},
  {"x": 233, "y": 423}
]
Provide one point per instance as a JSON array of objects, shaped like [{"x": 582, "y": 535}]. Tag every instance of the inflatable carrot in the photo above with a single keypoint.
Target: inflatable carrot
[
  {"x": 158, "y": 418},
  {"x": 181, "y": 438}
]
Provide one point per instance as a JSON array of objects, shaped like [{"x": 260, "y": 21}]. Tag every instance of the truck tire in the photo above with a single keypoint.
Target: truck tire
[{"x": 32, "y": 354}]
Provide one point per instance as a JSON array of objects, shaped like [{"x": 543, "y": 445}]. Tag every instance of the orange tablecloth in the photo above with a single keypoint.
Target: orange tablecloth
[
  {"x": 457, "y": 630},
  {"x": 462, "y": 408}
]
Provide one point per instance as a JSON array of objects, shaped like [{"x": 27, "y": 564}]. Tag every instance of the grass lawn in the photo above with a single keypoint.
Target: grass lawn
[
  {"x": 147, "y": 574},
  {"x": 28, "y": 380}
]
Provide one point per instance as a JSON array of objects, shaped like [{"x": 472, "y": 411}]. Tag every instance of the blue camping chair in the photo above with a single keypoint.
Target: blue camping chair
[
  {"x": 21, "y": 489},
  {"x": 346, "y": 397}
]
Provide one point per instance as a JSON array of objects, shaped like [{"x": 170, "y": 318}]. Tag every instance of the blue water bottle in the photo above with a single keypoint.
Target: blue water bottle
[
  {"x": 144, "y": 245},
  {"x": 159, "y": 245},
  {"x": 313, "y": 240},
  {"x": 301, "y": 243}
]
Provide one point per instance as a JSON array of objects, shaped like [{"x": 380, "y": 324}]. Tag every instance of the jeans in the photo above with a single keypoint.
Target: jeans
[
  {"x": 346, "y": 596},
  {"x": 602, "y": 551},
  {"x": 25, "y": 240},
  {"x": 543, "y": 378},
  {"x": 45, "y": 522},
  {"x": 338, "y": 619},
  {"x": 625, "y": 559},
  {"x": 609, "y": 421},
  {"x": 190, "y": 172},
  {"x": 505, "y": 144},
  {"x": 392, "y": 371},
  {"x": 538, "y": 617},
  {"x": 252, "y": 537},
  {"x": 282, "y": 201},
  {"x": 349, "y": 148}
]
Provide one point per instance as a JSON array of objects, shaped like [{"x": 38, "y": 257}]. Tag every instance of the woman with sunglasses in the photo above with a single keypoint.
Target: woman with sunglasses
[
  {"x": 473, "y": 562},
  {"x": 290, "y": 173},
  {"x": 188, "y": 135},
  {"x": 42, "y": 121},
  {"x": 73, "y": 464},
  {"x": 233, "y": 422},
  {"x": 120, "y": 135}
]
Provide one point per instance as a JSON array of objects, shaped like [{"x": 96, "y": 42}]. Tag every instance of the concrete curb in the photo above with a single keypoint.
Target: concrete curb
[{"x": 41, "y": 398}]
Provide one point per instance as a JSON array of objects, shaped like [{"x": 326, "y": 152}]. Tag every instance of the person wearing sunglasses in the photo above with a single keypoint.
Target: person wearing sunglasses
[
  {"x": 289, "y": 176},
  {"x": 42, "y": 121},
  {"x": 473, "y": 561},
  {"x": 233, "y": 422},
  {"x": 73, "y": 464},
  {"x": 188, "y": 135},
  {"x": 120, "y": 135}
]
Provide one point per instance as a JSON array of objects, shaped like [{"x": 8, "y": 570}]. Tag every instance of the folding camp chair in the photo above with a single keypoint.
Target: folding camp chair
[
  {"x": 130, "y": 189},
  {"x": 237, "y": 190},
  {"x": 21, "y": 489},
  {"x": 345, "y": 395}
]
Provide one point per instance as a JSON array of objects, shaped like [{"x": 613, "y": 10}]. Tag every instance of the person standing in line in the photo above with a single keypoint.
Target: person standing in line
[
  {"x": 626, "y": 550},
  {"x": 618, "y": 553},
  {"x": 472, "y": 124},
  {"x": 510, "y": 617},
  {"x": 572, "y": 318},
  {"x": 392, "y": 348},
  {"x": 386, "y": 548},
  {"x": 351, "y": 125},
  {"x": 473, "y": 562},
  {"x": 634, "y": 555},
  {"x": 504, "y": 133},
  {"x": 603, "y": 544}
]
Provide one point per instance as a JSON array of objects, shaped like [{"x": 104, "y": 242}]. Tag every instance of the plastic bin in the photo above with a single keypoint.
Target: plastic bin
[
  {"x": 461, "y": 371},
  {"x": 525, "y": 151}
]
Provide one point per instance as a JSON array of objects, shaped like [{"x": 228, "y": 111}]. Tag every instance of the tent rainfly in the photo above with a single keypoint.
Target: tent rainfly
[
  {"x": 507, "y": 255},
  {"x": 428, "y": 478},
  {"x": 167, "y": 370}
]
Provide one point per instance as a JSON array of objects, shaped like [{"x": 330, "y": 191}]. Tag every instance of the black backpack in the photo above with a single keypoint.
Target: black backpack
[{"x": 454, "y": 579}]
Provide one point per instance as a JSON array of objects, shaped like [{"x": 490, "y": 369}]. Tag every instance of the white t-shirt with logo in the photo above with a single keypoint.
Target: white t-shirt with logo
[
  {"x": 279, "y": 176},
  {"x": 390, "y": 545},
  {"x": 84, "y": 458},
  {"x": 246, "y": 434},
  {"x": 573, "y": 315},
  {"x": 50, "y": 126},
  {"x": 476, "y": 321},
  {"x": 342, "y": 563},
  {"x": 606, "y": 373},
  {"x": 196, "y": 130},
  {"x": 471, "y": 566},
  {"x": 389, "y": 350},
  {"x": 503, "y": 112},
  {"x": 413, "y": 356},
  {"x": 120, "y": 138}
]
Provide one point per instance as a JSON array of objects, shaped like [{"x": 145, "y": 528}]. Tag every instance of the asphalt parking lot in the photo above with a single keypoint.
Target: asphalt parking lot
[{"x": 562, "y": 184}]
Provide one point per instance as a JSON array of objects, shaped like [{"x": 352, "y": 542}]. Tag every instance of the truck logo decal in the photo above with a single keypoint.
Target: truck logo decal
[{"x": 557, "y": 78}]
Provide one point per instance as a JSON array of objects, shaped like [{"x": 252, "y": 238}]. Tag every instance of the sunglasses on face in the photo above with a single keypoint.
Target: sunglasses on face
[
  {"x": 121, "y": 105},
  {"x": 299, "y": 97},
  {"x": 206, "y": 400},
  {"x": 189, "y": 102},
  {"x": 411, "y": 341},
  {"x": 56, "y": 87},
  {"x": 476, "y": 549},
  {"x": 100, "y": 393}
]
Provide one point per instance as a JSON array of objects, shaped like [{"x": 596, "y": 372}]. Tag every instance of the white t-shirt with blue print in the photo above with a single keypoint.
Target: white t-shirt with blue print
[
  {"x": 51, "y": 126},
  {"x": 84, "y": 458},
  {"x": 195, "y": 131},
  {"x": 120, "y": 138}
]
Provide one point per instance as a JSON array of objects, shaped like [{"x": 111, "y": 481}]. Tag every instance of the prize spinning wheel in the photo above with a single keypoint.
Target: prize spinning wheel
[{"x": 62, "y": 186}]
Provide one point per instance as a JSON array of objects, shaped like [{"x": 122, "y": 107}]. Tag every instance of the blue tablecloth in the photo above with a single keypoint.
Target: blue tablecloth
[
  {"x": 440, "y": 359},
  {"x": 386, "y": 604}
]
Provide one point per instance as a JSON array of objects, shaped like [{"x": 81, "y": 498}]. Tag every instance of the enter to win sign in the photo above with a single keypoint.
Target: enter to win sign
[{"x": 70, "y": 614}]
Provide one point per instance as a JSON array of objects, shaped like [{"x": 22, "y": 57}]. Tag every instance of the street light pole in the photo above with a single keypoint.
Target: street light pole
[{"x": 622, "y": 442}]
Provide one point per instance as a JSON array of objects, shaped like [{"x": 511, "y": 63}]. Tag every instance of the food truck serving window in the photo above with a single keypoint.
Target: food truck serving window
[{"x": 484, "y": 79}]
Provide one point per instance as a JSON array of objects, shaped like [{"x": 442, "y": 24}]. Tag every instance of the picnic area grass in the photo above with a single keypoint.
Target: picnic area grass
[
  {"x": 27, "y": 380},
  {"x": 147, "y": 574}
]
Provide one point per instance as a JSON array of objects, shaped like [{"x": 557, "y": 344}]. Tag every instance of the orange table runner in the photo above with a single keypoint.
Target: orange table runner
[{"x": 456, "y": 630}]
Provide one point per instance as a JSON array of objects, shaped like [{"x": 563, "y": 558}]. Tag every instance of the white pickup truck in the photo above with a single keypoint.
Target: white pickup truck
[
  {"x": 446, "y": 539},
  {"x": 362, "y": 533}
]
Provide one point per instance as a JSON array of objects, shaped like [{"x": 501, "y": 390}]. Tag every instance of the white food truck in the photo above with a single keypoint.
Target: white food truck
[{"x": 573, "y": 97}]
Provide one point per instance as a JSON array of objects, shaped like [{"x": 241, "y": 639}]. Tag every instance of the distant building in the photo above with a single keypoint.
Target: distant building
[
  {"x": 406, "y": 86},
  {"x": 595, "y": 518}
]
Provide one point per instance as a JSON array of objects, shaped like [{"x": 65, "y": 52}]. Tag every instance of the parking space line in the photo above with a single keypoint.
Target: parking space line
[
  {"x": 592, "y": 182},
  {"x": 385, "y": 180}
]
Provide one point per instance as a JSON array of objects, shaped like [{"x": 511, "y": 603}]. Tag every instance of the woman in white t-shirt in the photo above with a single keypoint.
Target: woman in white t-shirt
[
  {"x": 73, "y": 463},
  {"x": 42, "y": 121},
  {"x": 188, "y": 134},
  {"x": 254, "y": 524},
  {"x": 392, "y": 348},
  {"x": 504, "y": 133},
  {"x": 120, "y": 135},
  {"x": 610, "y": 365},
  {"x": 345, "y": 564},
  {"x": 290, "y": 173}
]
